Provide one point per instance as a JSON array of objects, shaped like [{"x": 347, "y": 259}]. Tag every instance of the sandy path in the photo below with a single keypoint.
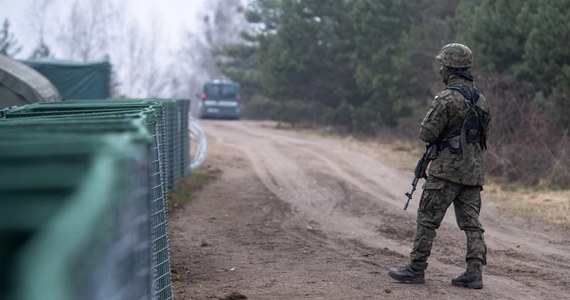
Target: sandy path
[{"x": 292, "y": 216}]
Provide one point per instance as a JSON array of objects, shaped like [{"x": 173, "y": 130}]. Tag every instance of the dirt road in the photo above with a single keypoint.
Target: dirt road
[{"x": 292, "y": 216}]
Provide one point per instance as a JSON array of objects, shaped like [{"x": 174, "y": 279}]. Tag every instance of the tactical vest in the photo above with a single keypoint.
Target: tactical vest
[{"x": 472, "y": 130}]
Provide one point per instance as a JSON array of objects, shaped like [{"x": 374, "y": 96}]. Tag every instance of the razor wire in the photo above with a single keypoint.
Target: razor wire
[{"x": 199, "y": 136}]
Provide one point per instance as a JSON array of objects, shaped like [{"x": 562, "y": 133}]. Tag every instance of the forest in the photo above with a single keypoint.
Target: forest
[{"x": 367, "y": 67}]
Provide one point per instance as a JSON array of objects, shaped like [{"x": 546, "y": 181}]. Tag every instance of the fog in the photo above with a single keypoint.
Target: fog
[{"x": 156, "y": 48}]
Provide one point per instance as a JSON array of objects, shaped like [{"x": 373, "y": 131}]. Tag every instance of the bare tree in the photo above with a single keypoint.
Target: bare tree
[
  {"x": 39, "y": 12},
  {"x": 86, "y": 30},
  {"x": 93, "y": 30},
  {"x": 41, "y": 51},
  {"x": 140, "y": 57},
  {"x": 222, "y": 25},
  {"x": 152, "y": 77},
  {"x": 225, "y": 22}
]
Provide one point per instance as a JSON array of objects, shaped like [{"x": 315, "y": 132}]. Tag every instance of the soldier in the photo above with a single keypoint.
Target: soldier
[{"x": 456, "y": 124}]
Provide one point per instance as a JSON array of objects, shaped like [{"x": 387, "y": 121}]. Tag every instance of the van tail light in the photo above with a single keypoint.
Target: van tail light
[
  {"x": 238, "y": 98},
  {"x": 203, "y": 96}
]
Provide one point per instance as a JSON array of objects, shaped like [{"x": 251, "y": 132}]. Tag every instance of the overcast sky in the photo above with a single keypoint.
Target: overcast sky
[
  {"x": 159, "y": 60},
  {"x": 176, "y": 16}
]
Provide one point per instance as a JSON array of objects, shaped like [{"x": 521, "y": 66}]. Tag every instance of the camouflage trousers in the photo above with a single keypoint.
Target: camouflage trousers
[{"x": 437, "y": 196}]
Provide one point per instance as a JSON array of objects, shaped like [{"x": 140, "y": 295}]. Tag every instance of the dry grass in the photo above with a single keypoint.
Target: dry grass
[
  {"x": 549, "y": 206},
  {"x": 552, "y": 206},
  {"x": 188, "y": 186}
]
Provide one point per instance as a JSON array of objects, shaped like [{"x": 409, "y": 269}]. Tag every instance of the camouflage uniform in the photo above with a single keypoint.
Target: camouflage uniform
[{"x": 453, "y": 177}]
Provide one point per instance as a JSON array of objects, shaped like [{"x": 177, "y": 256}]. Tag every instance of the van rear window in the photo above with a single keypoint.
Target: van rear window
[
  {"x": 212, "y": 90},
  {"x": 229, "y": 91},
  {"x": 221, "y": 91}
]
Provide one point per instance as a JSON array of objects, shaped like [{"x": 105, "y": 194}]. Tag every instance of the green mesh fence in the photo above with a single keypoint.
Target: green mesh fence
[
  {"x": 158, "y": 126},
  {"x": 72, "y": 223}
]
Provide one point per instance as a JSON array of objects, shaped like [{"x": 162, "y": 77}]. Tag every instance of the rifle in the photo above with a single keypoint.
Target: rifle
[{"x": 420, "y": 172}]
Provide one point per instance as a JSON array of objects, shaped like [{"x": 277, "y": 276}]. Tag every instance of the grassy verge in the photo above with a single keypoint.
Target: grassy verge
[
  {"x": 546, "y": 205},
  {"x": 188, "y": 186}
]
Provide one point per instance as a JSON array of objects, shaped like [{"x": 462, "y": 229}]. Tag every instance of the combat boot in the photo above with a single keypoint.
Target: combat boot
[
  {"x": 407, "y": 275},
  {"x": 471, "y": 278}
]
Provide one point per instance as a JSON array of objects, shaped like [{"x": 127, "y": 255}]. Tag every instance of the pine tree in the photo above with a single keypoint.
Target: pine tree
[
  {"x": 9, "y": 45},
  {"x": 42, "y": 51}
]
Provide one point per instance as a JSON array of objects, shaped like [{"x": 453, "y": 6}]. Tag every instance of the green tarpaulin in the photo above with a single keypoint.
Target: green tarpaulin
[{"x": 76, "y": 80}]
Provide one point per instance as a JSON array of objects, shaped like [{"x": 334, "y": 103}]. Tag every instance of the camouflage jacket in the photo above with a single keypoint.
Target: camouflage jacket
[{"x": 445, "y": 117}]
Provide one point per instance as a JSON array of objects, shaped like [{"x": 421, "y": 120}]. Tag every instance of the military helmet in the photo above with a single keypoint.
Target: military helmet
[{"x": 455, "y": 55}]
